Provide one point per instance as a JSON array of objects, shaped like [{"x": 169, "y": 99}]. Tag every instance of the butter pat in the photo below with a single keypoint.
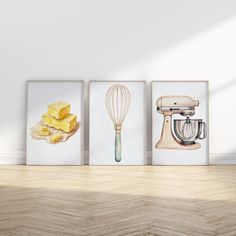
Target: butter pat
[
  {"x": 67, "y": 124},
  {"x": 43, "y": 131},
  {"x": 55, "y": 138},
  {"x": 59, "y": 109}
]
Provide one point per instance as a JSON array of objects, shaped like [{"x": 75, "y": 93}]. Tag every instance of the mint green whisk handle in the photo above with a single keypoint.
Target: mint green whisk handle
[{"x": 118, "y": 147}]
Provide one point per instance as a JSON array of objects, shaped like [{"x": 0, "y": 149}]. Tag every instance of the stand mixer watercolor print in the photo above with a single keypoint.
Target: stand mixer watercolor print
[
  {"x": 180, "y": 114},
  {"x": 55, "y": 123},
  {"x": 117, "y": 123}
]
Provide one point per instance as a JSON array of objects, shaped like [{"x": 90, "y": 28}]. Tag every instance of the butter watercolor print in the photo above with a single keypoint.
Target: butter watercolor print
[{"x": 55, "y": 123}]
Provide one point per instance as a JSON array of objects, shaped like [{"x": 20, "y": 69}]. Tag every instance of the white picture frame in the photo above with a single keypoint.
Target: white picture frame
[
  {"x": 60, "y": 142},
  {"x": 102, "y": 131},
  {"x": 168, "y": 152}
]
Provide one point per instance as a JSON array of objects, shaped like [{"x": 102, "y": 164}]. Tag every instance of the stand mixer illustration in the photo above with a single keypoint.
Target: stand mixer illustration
[{"x": 186, "y": 131}]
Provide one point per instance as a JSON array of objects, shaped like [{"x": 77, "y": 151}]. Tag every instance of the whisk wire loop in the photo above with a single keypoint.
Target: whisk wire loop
[{"x": 118, "y": 100}]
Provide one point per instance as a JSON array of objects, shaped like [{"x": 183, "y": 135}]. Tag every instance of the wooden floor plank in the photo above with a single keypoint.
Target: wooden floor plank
[{"x": 127, "y": 200}]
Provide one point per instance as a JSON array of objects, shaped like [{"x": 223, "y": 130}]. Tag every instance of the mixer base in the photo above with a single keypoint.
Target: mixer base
[{"x": 177, "y": 146}]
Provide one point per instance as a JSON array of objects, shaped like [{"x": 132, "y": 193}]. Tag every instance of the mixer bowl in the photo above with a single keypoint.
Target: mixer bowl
[{"x": 188, "y": 131}]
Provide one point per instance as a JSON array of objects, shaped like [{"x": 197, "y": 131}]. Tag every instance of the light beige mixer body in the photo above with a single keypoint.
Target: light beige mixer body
[{"x": 185, "y": 106}]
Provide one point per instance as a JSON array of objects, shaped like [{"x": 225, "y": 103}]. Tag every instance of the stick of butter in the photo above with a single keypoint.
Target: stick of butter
[
  {"x": 67, "y": 124},
  {"x": 55, "y": 138},
  {"x": 59, "y": 109},
  {"x": 43, "y": 131}
]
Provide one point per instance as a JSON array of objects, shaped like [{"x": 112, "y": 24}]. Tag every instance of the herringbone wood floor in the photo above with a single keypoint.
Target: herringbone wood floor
[{"x": 149, "y": 200}]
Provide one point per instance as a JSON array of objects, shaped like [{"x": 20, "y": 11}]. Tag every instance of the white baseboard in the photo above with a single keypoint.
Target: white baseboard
[
  {"x": 223, "y": 158},
  {"x": 18, "y": 158},
  {"x": 12, "y": 157}
]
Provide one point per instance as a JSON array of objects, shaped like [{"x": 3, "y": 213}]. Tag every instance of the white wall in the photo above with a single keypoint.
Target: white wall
[{"x": 125, "y": 39}]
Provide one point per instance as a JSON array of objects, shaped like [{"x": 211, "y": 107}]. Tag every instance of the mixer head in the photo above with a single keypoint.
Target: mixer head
[{"x": 183, "y": 105}]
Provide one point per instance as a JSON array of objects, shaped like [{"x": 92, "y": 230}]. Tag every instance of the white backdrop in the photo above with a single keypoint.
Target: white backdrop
[
  {"x": 40, "y": 95},
  {"x": 117, "y": 40},
  {"x": 101, "y": 128},
  {"x": 196, "y": 90}
]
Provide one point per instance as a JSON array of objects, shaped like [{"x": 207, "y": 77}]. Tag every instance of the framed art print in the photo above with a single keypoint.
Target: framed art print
[
  {"x": 117, "y": 130},
  {"x": 55, "y": 123},
  {"x": 180, "y": 123}
]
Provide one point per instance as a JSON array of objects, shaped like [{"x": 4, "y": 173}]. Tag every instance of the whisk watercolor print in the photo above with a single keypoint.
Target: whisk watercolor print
[
  {"x": 117, "y": 101},
  {"x": 117, "y": 132},
  {"x": 180, "y": 121}
]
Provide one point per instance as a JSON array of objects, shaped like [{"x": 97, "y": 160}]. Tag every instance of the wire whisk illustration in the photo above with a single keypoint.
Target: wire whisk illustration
[{"x": 118, "y": 99}]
